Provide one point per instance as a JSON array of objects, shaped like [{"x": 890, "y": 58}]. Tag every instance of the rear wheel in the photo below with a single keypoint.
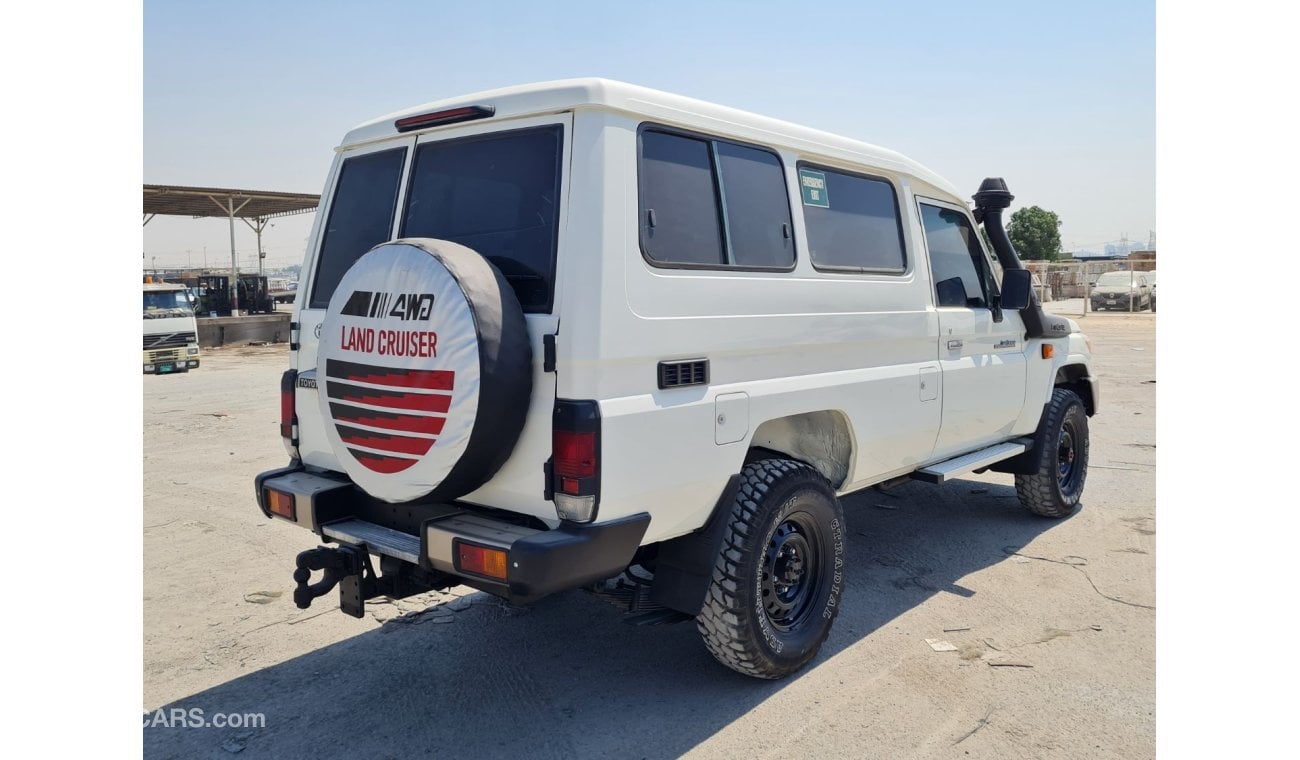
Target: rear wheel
[
  {"x": 777, "y": 580},
  {"x": 1055, "y": 487}
]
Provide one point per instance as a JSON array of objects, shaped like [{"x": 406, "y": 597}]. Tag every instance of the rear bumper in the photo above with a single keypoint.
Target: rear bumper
[{"x": 538, "y": 562}]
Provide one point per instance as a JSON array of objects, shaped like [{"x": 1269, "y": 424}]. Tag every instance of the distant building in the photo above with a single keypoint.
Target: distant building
[
  {"x": 1143, "y": 261},
  {"x": 1094, "y": 256},
  {"x": 1122, "y": 249}
]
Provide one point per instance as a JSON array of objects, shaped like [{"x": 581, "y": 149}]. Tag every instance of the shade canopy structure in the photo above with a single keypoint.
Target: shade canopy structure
[{"x": 253, "y": 207}]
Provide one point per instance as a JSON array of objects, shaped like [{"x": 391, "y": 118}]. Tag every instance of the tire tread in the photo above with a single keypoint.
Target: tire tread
[
  {"x": 1040, "y": 492},
  {"x": 722, "y": 619}
]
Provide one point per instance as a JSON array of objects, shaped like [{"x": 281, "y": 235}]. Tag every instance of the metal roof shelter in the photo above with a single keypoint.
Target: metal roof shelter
[{"x": 256, "y": 205}]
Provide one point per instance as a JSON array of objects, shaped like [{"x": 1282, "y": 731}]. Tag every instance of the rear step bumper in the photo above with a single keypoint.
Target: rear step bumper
[{"x": 538, "y": 562}]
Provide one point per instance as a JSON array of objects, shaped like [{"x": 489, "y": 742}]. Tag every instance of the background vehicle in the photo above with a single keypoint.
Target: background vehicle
[
  {"x": 1127, "y": 291},
  {"x": 540, "y": 349},
  {"x": 170, "y": 332},
  {"x": 1151, "y": 280},
  {"x": 279, "y": 290},
  {"x": 214, "y": 294}
]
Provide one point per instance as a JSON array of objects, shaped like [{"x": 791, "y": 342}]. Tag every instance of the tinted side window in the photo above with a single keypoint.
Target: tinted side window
[
  {"x": 499, "y": 195},
  {"x": 955, "y": 257},
  {"x": 360, "y": 217},
  {"x": 679, "y": 201},
  {"x": 853, "y": 222},
  {"x": 757, "y": 207}
]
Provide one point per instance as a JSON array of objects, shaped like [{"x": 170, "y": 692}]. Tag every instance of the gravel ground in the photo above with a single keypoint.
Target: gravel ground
[{"x": 1065, "y": 607}]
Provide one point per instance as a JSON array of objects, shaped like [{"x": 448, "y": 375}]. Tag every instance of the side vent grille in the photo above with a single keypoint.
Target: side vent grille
[{"x": 682, "y": 373}]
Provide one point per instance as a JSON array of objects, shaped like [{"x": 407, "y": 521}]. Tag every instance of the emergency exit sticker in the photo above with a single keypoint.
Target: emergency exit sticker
[{"x": 813, "y": 185}]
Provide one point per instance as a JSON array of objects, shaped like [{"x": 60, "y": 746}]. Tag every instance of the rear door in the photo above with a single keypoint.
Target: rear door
[
  {"x": 360, "y": 211},
  {"x": 982, "y": 361},
  {"x": 500, "y": 189},
  {"x": 495, "y": 187}
]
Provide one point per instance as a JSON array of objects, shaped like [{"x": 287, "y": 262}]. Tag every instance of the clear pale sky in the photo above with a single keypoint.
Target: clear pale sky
[{"x": 1057, "y": 98}]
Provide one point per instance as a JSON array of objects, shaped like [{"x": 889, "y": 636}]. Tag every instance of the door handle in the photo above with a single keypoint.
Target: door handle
[{"x": 954, "y": 345}]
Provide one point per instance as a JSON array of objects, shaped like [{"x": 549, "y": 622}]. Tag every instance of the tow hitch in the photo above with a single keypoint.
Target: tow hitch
[
  {"x": 346, "y": 567},
  {"x": 349, "y": 568}
]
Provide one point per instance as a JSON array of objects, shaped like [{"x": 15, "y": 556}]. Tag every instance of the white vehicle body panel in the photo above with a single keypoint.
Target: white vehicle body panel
[{"x": 870, "y": 350}]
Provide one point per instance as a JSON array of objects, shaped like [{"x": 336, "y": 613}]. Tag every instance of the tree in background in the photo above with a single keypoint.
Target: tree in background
[{"x": 1036, "y": 234}]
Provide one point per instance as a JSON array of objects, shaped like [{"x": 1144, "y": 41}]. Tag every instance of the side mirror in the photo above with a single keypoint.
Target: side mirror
[{"x": 1017, "y": 284}]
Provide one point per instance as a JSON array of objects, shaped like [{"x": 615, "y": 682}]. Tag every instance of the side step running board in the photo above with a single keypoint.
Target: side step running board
[
  {"x": 945, "y": 471},
  {"x": 376, "y": 538}
]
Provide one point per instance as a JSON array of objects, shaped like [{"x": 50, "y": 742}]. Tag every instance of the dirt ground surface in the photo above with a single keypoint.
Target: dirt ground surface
[{"x": 1053, "y": 622}]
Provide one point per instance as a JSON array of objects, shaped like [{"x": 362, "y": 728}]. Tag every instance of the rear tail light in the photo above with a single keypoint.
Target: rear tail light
[
  {"x": 575, "y": 460},
  {"x": 288, "y": 417},
  {"x": 279, "y": 503},
  {"x": 575, "y": 456},
  {"x": 481, "y": 560}
]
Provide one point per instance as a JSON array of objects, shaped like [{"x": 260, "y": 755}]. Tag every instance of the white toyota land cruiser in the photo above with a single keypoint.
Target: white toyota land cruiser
[{"x": 589, "y": 335}]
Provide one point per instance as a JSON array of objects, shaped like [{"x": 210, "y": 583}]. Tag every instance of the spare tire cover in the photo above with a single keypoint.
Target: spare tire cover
[{"x": 425, "y": 370}]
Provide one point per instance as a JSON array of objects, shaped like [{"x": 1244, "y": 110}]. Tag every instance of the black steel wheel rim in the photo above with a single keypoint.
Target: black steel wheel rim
[
  {"x": 792, "y": 571},
  {"x": 1067, "y": 458}
]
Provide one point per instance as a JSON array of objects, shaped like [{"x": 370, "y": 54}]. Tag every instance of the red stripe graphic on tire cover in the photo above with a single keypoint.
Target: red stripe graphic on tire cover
[
  {"x": 420, "y": 402},
  {"x": 381, "y": 463},
  {"x": 397, "y": 444},
  {"x": 428, "y": 379},
  {"x": 406, "y": 423}
]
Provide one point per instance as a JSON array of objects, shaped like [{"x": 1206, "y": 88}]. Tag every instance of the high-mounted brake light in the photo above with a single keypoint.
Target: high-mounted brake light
[{"x": 438, "y": 118}]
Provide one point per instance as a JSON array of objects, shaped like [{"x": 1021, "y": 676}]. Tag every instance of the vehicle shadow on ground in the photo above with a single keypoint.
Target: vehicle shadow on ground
[{"x": 566, "y": 678}]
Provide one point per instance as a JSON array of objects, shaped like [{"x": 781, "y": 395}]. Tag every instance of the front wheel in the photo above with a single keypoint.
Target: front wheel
[
  {"x": 1056, "y": 485},
  {"x": 778, "y": 577}
]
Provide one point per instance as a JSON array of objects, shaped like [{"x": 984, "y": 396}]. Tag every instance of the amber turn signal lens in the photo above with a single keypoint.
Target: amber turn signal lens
[
  {"x": 481, "y": 561},
  {"x": 280, "y": 504},
  {"x": 1048, "y": 350}
]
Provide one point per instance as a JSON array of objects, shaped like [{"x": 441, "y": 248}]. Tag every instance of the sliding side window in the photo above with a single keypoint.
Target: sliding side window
[{"x": 712, "y": 204}]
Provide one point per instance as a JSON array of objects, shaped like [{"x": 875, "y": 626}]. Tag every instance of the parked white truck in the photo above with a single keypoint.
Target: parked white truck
[
  {"x": 171, "y": 342},
  {"x": 583, "y": 334}
]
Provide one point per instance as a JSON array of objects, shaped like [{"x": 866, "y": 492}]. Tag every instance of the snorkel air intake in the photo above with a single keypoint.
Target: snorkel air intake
[{"x": 991, "y": 200}]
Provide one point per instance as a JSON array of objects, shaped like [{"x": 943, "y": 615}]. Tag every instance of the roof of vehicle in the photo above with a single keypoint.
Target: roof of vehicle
[
  {"x": 567, "y": 94},
  {"x": 148, "y": 286}
]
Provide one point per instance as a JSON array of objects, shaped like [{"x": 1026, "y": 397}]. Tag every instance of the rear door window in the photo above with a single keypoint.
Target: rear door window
[
  {"x": 360, "y": 217},
  {"x": 498, "y": 194}
]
